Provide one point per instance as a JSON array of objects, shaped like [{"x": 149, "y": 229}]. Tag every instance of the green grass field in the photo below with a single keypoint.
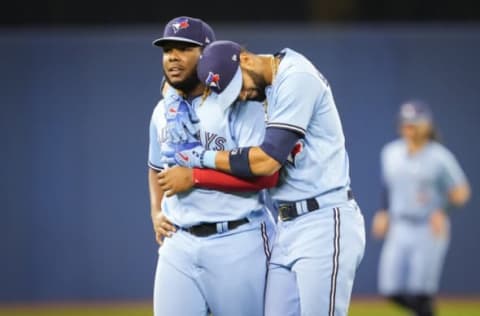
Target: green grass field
[
  {"x": 367, "y": 307},
  {"x": 445, "y": 307}
]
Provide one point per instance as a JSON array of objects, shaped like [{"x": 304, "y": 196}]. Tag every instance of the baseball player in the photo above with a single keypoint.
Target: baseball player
[
  {"x": 422, "y": 181},
  {"x": 216, "y": 261},
  {"x": 321, "y": 237}
]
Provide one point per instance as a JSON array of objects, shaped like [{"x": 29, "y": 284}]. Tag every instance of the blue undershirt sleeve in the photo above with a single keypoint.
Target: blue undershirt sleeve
[{"x": 279, "y": 142}]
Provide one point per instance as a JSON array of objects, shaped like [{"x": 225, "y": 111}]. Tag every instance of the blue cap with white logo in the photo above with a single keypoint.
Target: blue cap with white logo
[
  {"x": 188, "y": 30},
  {"x": 219, "y": 69},
  {"x": 414, "y": 112}
]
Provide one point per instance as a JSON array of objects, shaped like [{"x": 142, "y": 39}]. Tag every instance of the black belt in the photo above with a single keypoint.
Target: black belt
[
  {"x": 288, "y": 211},
  {"x": 207, "y": 229},
  {"x": 413, "y": 219}
]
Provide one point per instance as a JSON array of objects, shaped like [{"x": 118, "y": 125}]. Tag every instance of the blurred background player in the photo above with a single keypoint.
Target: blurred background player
[
  {"x": 321, "y": 236},
  {"x": 422, "y": 181},
  {"x": 216, "y": 261}
]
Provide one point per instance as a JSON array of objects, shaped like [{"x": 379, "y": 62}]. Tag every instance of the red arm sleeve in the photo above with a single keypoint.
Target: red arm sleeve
[{"x": 217, "y": 180}]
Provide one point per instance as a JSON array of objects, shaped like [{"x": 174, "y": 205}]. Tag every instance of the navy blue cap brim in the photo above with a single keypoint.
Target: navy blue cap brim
[
  {"x": 161, "y": 41},
  {"x": 231, "y": 93},
  {"x": 415, "y": 121}
]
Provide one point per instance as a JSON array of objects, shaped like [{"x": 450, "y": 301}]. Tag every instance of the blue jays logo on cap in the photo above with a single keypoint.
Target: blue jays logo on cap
[
  {"x": 213, "y": 80},
  {"x": 187, "y": 30},
  {"x": 180, "y": 25},
  {"x": 220, "y": 60},
  {"x": 415, "y": 111}
]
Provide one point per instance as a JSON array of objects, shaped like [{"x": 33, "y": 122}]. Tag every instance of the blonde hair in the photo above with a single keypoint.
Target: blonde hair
[{"x": 205, "y": 95}]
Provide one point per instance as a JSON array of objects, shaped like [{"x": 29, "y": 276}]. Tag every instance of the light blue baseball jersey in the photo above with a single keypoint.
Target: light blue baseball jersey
[
  {"x": 418, "y": 184},
  {"x": 308, "y": 273},
  {"x": 221, "y": 128},
  {"x": 300, "y": 99}
]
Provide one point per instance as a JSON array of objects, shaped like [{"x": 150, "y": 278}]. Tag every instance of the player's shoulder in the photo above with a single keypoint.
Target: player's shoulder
[
  {"x": 438, "y": 147},
  {"x": 294, "y": 62},
  {"x": 393, "y": 147},
  {"x": 294, "y": 57},
  {"x": 158, "y": 112},
  {"x": 296, "y": 68},
  {"x": 159, "y": 108},
  {"x": 440, "y": 151},
  {"x": 170, "y": 95}
]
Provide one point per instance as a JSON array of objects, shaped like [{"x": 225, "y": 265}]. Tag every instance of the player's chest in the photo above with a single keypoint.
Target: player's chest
[
  {"x": 403, "y": 169},
  {"x": 215, "y": 127}
]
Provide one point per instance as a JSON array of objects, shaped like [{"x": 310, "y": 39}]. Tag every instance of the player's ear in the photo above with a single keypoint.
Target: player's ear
[{"x": 246, "y": 60}]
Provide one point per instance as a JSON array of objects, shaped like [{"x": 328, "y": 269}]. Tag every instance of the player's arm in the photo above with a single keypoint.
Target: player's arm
[
  {"x": 180, "y": 179},
  {"x": 381, "y": 219},
  {"x": 294, "y": 107},
  {"x": 458, "y": 188},
  {"x": 156, "y": 193},
  {"x": 218, "y": 180},
  {"x": 248, "y": 128},
  {"x": 264, "y": 160},
  {"x": 250, "y": 131},
  {"x": 457, "y": 192},
  {"x": 162, "y": 227},
  {"x": 459, "y": 195}
]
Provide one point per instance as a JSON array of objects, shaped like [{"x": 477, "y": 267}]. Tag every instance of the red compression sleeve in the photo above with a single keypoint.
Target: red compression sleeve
[{"x": 217, "y": 180}]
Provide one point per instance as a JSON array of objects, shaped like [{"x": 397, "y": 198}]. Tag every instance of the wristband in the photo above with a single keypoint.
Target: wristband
[
  {"x": 240, "y": 163},
  {"x": 208, "y": 160}
]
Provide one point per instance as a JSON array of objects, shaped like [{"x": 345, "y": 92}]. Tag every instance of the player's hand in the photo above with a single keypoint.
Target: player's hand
[
  {"x": 176, "y": 179},
  {"x": 183, "y": 124},
  {"x": 380, "y": 224},
  {"x": 162, "y": 227},
  {"x": 439, "y": 223}
]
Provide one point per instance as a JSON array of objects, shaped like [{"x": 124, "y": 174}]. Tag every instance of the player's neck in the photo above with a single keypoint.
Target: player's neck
[
  {"x": 415, "y": 145},
  {"x": 193, "y": 93},
  {"x": 270, "y": 67}
]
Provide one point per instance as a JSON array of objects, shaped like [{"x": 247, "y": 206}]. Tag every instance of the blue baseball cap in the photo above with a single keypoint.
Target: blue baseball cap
[
  {"x": 414, "y": 112},
  {"x": 219, "y": 69},
  {"x": 188, "y": 30}
]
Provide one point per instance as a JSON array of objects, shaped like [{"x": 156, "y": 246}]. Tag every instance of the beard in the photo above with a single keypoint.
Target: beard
[
  {"x": 260, "y": 85},
  {"x": 187, "y": 85}
]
